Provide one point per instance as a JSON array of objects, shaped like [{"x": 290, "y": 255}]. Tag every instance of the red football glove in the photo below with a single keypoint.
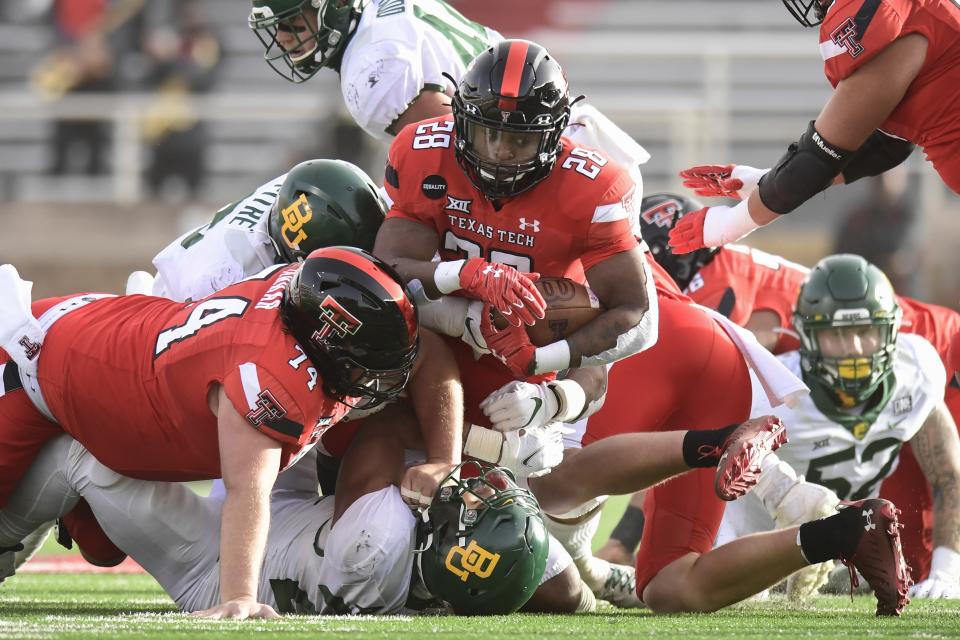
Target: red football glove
[
  {"x": 687, "y": 234},
  {"x": 509, "y": 291},
  {"x": 510, "y": 345},
  {"x": 712, "y": 180}
]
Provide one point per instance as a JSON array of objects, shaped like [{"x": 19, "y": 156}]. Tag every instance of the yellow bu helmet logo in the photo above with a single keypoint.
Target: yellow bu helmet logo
[
  {"x": 295, "y": 216},
  {"x": 473, "y": 559}
]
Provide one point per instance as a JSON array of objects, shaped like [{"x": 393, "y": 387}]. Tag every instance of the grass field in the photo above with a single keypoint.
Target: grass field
[{"x": 124, "y": 606}]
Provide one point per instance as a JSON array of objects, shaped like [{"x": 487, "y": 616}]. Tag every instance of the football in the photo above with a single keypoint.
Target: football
[{"x": 570, "y": 305}]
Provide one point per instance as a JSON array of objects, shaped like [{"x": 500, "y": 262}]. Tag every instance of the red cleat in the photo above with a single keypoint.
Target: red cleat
[
  {"x": 879, "y": 556},
  {"x": 739, "y": 467}
]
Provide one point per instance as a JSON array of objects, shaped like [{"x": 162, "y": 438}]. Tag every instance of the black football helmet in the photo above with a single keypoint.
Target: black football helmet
[
  {"x": 809, "y": 13},
  {"x": 356, "y": 322},
  {"x": 659, "y": 213},
  {"x": 509, "y": 110},
  {"x": 482, "y": 544},
  {"x": 323, "y": 203}
]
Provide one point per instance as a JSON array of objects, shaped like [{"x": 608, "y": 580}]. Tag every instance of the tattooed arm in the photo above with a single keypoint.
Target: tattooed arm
[{"x": 937, "y": 449}]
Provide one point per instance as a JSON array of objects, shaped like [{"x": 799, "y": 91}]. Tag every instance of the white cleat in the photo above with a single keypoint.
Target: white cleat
[{"x": 615, "y": 583}]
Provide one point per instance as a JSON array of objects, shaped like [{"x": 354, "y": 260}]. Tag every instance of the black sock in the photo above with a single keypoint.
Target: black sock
[
  {"x": 630, "y": 528},
  {"x": 701, "y": 448},
  {"x": 831, "y": 538}
]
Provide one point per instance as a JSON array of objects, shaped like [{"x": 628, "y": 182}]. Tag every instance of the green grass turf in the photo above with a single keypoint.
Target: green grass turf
[
  {"x": 117, "y": 606},
  {"x": 122, "y": 606}
]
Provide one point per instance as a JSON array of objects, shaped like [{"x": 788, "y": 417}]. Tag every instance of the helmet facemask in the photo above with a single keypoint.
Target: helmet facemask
[
  {"x": 502, "y": 159},
  {"x": 810, "y": 13},
  {"x": 315, "y": 32}
]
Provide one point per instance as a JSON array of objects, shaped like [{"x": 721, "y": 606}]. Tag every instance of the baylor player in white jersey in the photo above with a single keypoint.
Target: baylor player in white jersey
[
  {"x": 347, "y": 554},
  {"x": 872, "y": 390},
  {"x": 399, "y": 62},
  {"x": 318, "y": 203}
]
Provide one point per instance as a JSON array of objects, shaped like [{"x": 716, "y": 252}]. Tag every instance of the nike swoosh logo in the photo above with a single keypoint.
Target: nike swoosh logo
[
  {"x": 893, "y": 425},
  {"x": 316, "y": 539},
  {"x": 536, "y": 409},
  {"x": 473, "y": 335},
  {"x": 526, "y": 460}
]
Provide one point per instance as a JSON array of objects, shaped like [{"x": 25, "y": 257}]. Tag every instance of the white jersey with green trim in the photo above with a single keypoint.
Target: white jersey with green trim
[
  {"x": 401, "y": 47},
  {"x": 832, "y": 455},
  {"x": 234, "y": 245}
]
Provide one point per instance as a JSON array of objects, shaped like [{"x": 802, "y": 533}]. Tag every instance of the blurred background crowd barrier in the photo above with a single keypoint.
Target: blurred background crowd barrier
[{"x": 125, "y": 122}]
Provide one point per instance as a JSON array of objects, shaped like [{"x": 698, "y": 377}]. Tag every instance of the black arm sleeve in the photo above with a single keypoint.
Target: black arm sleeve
[{"x": 878, "y": 154}]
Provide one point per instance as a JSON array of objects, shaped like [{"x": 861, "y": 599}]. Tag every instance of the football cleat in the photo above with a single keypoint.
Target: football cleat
[
  {"x": 878, "y": 555},
  {"x": 741, "y": 453},
  {"x": 615, "y": 583}
]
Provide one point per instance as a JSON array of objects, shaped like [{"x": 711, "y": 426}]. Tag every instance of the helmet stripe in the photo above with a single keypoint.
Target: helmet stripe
[{"x": 513, "y": 73}]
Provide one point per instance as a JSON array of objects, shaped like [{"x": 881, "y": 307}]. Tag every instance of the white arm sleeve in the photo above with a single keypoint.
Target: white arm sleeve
[{"x": 641, "y": 337}]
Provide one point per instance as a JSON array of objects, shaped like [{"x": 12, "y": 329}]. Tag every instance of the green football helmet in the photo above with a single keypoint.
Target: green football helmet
[
  {"x": 846, "y": 291},
  {"x": 323, "y": 203},
  {"x": 482, "y": 544},
  {"x": 315, "y": 32}
]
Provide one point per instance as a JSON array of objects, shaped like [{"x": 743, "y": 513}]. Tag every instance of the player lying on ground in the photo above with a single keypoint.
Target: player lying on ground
[
  {"x": 894, "y": 68},
  {"x": 758, "y": 291},
  {"x": 359, "y": 552},
  {"x": 873, "y": 390},
  {"x": 237, "y": 385}
]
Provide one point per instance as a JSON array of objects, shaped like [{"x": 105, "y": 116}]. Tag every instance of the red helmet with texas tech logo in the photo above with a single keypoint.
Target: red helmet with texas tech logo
[
  {"x": 356, "y": 322},
  {"x": 658, "y": 214},
  {"x": 509, "y": 110}
]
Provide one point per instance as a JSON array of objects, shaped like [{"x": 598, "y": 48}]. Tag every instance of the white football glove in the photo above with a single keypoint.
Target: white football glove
[
  {"x": 452, "y": 316},
  {"x": 944, "y": 579},
  {"x": 518, "y": 405},
  {"x": 527, "y": 453}
]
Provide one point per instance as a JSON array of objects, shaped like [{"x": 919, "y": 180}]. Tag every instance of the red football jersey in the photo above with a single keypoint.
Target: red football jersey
[
  {"x": 580, "y": 213},
  {"x": 935, "y": 323},
  {"x": 128, "y": 377},
  {"x": 740, "y": 280},
  {"x": 854, "y": 31}
]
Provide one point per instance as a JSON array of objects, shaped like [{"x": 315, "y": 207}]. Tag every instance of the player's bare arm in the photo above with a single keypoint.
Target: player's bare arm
[
  {"x": 937, "y": 450},
  {"x": 620, "y": 283},
  {"x": 409, "y": 248},
  {"x": 430, "y": 103},
  {"x": 437, "y": 398},
  {"x": 249, "y": 461},
  {"x": 765, "y": 324},
  {"x": 860, "y": 104}
]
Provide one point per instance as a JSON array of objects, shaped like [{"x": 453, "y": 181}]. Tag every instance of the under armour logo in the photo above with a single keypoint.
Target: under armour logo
[
  {"x": 30, "y": 348},
  {"x": 535, "y": 224},
  {"x": 267, "y": 409},
  {"x": 870, "y": 523},
  {"x": 487, "y": 270},
  {"x": 456, "y": 204},
  {"x": 846, "y": 36}
]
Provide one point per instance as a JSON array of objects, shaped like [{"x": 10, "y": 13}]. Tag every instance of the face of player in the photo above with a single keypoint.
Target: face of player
[
  {"x": 504, "y": 147},
  {"x": 294, "y": 36},
  {"x": 845, "y": 342}
]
